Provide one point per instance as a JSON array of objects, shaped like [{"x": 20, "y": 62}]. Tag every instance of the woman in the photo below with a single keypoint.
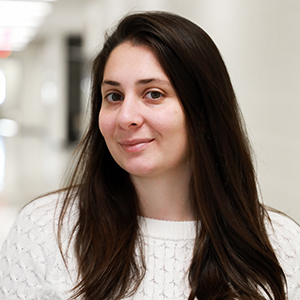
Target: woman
[{"x": 162, "y": 203}]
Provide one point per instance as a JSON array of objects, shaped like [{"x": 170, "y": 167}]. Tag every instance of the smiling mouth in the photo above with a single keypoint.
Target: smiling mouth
[{"x": 135, "y": 145}]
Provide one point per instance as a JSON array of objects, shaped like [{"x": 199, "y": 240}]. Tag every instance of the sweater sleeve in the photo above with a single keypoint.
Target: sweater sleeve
[
  {"x": 31, "y": 266},
  {"x": 22, "y": 260},
  {"x": 285, "y": 237}
]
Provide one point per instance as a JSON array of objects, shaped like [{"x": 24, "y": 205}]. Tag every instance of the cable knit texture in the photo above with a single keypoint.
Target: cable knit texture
[{"x": 31, "y": 265}]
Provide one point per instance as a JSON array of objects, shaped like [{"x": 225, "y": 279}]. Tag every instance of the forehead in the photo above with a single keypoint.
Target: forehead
[{"x": 138, "y": 59}]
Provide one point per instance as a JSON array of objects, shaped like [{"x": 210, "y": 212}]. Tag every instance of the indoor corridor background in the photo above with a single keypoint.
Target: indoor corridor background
[{"x": 44, "y": 87}]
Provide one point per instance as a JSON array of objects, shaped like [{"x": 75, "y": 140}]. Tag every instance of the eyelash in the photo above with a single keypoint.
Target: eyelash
[
  {"x": 121, "y": 98},
  {"x": 156, "y": 92},
  {"x": 108, "y": 97}
]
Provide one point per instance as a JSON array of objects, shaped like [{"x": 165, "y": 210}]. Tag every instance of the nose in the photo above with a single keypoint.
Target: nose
[{"x": 129, "y": 114}]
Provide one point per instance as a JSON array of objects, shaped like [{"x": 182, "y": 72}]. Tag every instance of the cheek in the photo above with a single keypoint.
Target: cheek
[
  {"x": 177, "y": 123},
  {"x": 106, "y": 124},
  {"x": 180, "y": 130}
]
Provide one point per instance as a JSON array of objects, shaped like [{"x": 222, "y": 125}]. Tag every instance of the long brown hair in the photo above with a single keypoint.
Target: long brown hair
[{"x": 233, "y": 257}]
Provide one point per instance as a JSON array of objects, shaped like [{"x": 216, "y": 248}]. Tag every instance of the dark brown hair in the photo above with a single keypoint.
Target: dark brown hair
[{"x": 233, "y": 257}]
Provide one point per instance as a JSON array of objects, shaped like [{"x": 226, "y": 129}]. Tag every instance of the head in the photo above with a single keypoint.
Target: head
[{"x": 194, "y": 67}]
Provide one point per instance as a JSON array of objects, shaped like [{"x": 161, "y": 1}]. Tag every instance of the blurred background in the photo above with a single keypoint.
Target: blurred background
[{"x": 46, "y": 50}]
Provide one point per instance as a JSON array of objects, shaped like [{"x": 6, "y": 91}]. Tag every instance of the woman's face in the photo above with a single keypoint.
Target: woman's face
[{"x": 141, "y": 118}]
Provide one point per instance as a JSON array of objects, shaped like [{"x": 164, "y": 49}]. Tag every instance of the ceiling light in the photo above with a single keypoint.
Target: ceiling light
[{"x": 19, "y": 21}]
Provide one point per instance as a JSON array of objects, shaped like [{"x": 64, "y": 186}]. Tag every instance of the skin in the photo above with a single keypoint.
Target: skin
[{"x": 144, "y": 127}]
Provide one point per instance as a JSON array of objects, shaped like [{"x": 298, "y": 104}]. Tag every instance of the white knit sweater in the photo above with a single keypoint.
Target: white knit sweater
[{"x": 31, "y": 266}]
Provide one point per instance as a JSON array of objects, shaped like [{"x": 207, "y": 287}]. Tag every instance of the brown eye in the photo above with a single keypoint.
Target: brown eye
[
  {"x": 113, "y": 97},
  {"x": 154, "y": 95}
]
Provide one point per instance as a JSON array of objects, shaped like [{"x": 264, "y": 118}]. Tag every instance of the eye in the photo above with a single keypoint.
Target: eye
[
  {"x": 154, "y": 95},
  {"x": 113, "y": 97}
]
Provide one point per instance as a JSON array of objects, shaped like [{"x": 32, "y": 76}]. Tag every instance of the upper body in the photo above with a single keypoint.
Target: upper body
[
  {"x": 165, "y": 141},
  {"x": 32, "y": 267}
]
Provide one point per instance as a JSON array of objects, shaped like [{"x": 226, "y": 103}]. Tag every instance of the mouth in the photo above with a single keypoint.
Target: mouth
[{"x": 135, "y": 145}]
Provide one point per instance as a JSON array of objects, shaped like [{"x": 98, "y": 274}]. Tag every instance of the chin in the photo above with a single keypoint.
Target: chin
[{"x": 141, "y": 171}]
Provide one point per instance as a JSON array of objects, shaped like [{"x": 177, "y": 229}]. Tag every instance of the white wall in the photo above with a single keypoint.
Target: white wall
[{"x": 260, "y": 44}]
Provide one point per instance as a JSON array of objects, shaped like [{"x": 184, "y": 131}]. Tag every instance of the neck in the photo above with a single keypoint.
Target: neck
[{"x": 165, "y": 197}]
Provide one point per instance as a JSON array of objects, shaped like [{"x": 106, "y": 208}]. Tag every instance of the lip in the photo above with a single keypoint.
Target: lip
[{"x": 135, "y": 145}]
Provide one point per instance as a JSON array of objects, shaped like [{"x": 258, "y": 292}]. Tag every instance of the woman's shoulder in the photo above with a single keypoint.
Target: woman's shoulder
[
  {"x": 30, "y": 256},
  {"x": 48, "y": 201},
  {"x": 40, "y": 215},
  {"x": 41, "y": 210},
  {"x": 282, "y": 228},
  {"x": 35, "y": 219},
  {"x": 34, "y": 231},
  {"x": 284, "y": 235}
]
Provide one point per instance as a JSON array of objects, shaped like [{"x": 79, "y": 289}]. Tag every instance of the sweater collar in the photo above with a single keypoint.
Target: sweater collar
[{"x": 168, "y": 230}]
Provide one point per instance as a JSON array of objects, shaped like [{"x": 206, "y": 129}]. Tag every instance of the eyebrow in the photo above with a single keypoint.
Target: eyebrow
[
  {"x": 139, "y": 82},
  {"x": 155, "y": 80},
  {"x": 110, "y": 82}
]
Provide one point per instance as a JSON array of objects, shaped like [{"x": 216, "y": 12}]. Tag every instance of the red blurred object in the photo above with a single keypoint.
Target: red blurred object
[
  {"x": 5, "y": 44},
  {"x": 5, "y": 54}
]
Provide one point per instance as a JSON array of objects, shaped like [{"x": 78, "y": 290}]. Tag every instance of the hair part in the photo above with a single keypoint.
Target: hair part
[{"x": 232, "y": 254}]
